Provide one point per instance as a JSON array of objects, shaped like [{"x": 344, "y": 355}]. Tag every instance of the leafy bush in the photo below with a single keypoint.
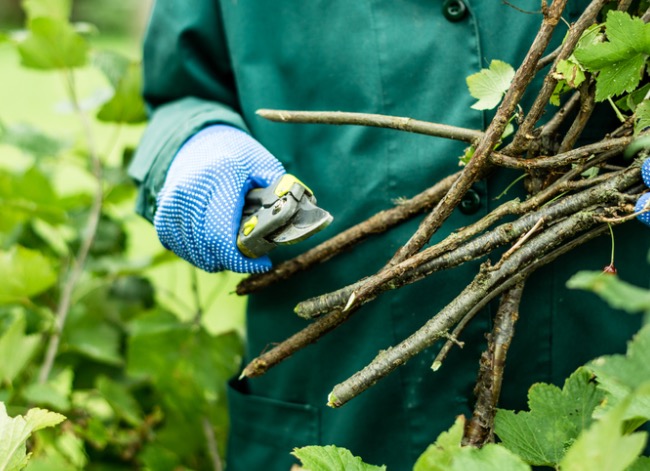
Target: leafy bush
[{"x": 81, "y": 330}]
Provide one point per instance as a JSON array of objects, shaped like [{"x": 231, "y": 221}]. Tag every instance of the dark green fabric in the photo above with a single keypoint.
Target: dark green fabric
[{"x": 212, "y": 61}]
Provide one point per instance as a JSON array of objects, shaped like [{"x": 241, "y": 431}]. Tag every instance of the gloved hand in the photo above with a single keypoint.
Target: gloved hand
[
  {"x": 200, "y": 205},
  {"x": 643, "y": 200}
]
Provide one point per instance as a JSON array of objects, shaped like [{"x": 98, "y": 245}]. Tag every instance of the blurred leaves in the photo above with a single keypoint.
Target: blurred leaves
[
  {"x": 27, "y": 195},
  {"x": 188, "y": 368},
  {"x": 31, "y": 140},
  {"x": 52, "y": 43},
  {"x": 26, "y": 273},
  {"x": 126, "y": 105},
  {"x": 621, "y": 375},
  {"x": 16, "y": 349},
  {"x": 56, "y": 9},
  {"x": 140, "y": 386}
]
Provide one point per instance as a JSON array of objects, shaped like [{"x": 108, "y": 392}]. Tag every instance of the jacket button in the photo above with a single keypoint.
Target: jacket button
[
  {"x": 470, "y": 203},
  {"x": 454, "y": 10}
]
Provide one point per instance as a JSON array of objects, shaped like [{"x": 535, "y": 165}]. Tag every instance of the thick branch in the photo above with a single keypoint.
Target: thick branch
[{"x": 480, "y": 429}]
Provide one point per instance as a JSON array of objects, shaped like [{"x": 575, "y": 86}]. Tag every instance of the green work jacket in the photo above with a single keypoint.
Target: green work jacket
[{"x": 218, "y": 61}]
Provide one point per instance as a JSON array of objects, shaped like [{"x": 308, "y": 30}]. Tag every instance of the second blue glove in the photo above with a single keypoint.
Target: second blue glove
[{"x": 200, "y": 205}]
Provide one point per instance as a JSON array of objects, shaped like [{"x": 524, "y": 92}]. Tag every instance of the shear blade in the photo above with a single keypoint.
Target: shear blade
[{"x": 304, "y": 224}]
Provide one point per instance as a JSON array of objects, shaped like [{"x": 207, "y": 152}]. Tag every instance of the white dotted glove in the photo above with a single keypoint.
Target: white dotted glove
[{"x": 200, "y": 205}]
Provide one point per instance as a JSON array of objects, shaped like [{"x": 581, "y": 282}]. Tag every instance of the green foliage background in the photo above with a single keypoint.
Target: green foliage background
[{"x": 148, "y": 342}]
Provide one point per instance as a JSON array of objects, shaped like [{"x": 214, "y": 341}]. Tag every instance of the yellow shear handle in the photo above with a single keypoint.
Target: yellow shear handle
[{"x": 285, "y": 184}]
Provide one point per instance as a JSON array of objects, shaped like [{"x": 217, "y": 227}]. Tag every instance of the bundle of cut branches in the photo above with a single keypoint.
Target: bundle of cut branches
[{"x": 568, "y": 204}]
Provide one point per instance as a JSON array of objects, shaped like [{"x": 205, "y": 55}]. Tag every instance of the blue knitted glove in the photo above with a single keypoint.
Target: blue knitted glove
[
  {"x": 643, "y": 200},
  {"x": 200, "y": 205}
]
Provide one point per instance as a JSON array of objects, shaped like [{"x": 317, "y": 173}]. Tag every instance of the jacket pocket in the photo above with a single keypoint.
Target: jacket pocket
[{"x": 264, "y": 431}]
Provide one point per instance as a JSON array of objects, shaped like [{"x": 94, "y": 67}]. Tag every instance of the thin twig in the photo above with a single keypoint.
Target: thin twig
[
  {"x": 89, "y": 234},
  {"x": 522, "y": 240},
  {"x": 587, "y": 105},
  {"x": 524, "y": 134},
  {"x": 374, "y": 120},
  {"x": 562, "y": 159},
  {"x": 194, "y": 285},
  {"x": 455, "y": 334},
  {"x": 553, "y": 124},
  {"x": 548, "y": 59},
  {"x": 211, "y": 443}
]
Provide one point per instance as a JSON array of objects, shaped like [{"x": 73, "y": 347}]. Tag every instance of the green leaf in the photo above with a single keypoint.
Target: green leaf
[
  {"x": 55, "y": 393},
  {"x": 642, "y": 116},
  {"x": 630, "y": 101},
  {"x": 555, "y": 420},
  {"x": 331, "y": 458},
  {"x": 447, "y": 454},
  {"x": 98, "y": 341},
  {"x": 617, "y": 293},
  {"x": 188, "y": 369},
  {"x": 641, "y": 464},
  {"x": 16, "y": 349},
  {"x": 112, "y": 64},
  {"x": 31, "y": 140},
  {"x": 52, "y": 44},
  {"x": 490, "y": 457},
  {"x": 605, "y": 447},
  {"x": 570, "y": 72},
  {"x": 440, "y": 455},
  {"x": 620, "y": 61},
  {"x": 121, "y": 400},
  {"x": 489, "y": 85},
  {"x": 127, "y": 105},
  {"x": 59, "y": 9},
  {"x": 25, "y": 196},
  {"x": 620, "y": 375},
  {"x": 25, "y": 273},
  {"x": 14, "y": 432}
]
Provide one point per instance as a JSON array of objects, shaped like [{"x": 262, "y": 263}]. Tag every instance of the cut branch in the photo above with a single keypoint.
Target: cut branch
[
  {"x": 450, "y": 252},
  {"x": 480, "y": 428},
  {"x": 489, "y": 283},
  {"x": 333, "y": 304},
  {"x": 563, "y": 159},
  {"x": 374, "y": 120}
]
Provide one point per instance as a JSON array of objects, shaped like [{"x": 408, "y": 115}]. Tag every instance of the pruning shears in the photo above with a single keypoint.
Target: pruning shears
[{"x": 283, "y": 213}]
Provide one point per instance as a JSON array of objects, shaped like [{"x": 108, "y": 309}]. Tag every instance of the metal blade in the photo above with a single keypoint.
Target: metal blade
[{"x": 308, "y": 220}]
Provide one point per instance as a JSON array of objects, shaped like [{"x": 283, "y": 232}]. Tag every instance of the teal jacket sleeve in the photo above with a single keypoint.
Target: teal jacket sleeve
[{"x": 188, "y": 85}]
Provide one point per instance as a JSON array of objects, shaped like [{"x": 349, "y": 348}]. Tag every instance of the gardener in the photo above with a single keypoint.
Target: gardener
[{"x": 210, "y": 65}]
